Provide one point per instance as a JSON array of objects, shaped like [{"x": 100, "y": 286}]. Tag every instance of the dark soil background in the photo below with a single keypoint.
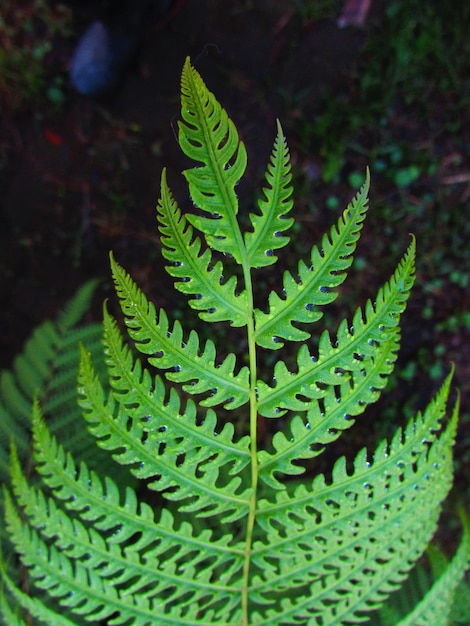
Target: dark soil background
[{"x": 80, "y": 177}]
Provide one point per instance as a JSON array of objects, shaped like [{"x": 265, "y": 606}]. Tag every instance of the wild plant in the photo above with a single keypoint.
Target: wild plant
[{"x": 229, "y": 522}]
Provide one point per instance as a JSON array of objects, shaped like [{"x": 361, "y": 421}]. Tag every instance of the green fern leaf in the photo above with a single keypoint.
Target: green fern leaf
[
  {"x": 361, "y": 512},
  {"x": 272, "y": 221},
  {"x": 214, "y": 297},
  {"x": 355, "y": 349},
  {"x": 432, "y": 596},
  {"x": 170, "y": 350},
  {"x": 72, "y": 314},
  {"x": 115, "y": 565},
  {"x": 177, "y": 457},
  {"x": 67, "y": 580},
  {"x": 314, "y": 287},
  {"x": 306, "y": 436},
  {"x": 208, "y": 136},
  {"x": 33, "y": 605}
]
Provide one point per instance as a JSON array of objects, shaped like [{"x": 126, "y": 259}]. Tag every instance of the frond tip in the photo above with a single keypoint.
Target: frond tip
[{"x": 209, "y": 137}]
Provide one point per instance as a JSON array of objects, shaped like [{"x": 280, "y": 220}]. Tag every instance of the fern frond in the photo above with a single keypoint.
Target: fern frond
[
  {"x": 218, "y": 532},
  {"x": 385, "y": 510},
  {"x": 130, "y": 571},
  {"x": 208, "y": 136},
  {"x": 215, "y": 297},
  {"x": 184, "y": 461},
  {"x": 303, "y": 297},
  {"x": 31, "y": 373},
  {"x": 70, "y": 582},
  {"x": 355, "y": 349},
  {"x": 98, "y": 500},
  {"x": 170, "y": 350},
  {"x": 269, "y": 225}
]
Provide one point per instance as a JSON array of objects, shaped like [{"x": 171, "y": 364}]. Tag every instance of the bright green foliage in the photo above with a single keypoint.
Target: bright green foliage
[{"x": 228, "y": 528}]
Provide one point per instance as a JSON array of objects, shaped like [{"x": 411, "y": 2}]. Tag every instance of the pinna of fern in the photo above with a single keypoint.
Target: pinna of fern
[{"x": 228, "y": 528}]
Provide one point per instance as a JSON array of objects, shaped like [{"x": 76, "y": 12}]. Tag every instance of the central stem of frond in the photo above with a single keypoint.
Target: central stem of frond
[{"x": 253, "y": 446}]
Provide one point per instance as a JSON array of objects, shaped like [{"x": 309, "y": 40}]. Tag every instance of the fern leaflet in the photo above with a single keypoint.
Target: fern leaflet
[
  {"x": 170, "y": 350},
  {"x": 355, "y": 349},
  {"x": 314, "y": 286},
  {"x": 269, "y": 225},
  {"x": 353, "y": 513},
  {"x": 182, "y": 447},
  {"x": 215, "y": 298},
  {"x": 435, "y": 608}
]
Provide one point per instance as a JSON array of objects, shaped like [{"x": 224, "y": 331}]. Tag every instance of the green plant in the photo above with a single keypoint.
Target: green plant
[{"x": 224, "y": 529}]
